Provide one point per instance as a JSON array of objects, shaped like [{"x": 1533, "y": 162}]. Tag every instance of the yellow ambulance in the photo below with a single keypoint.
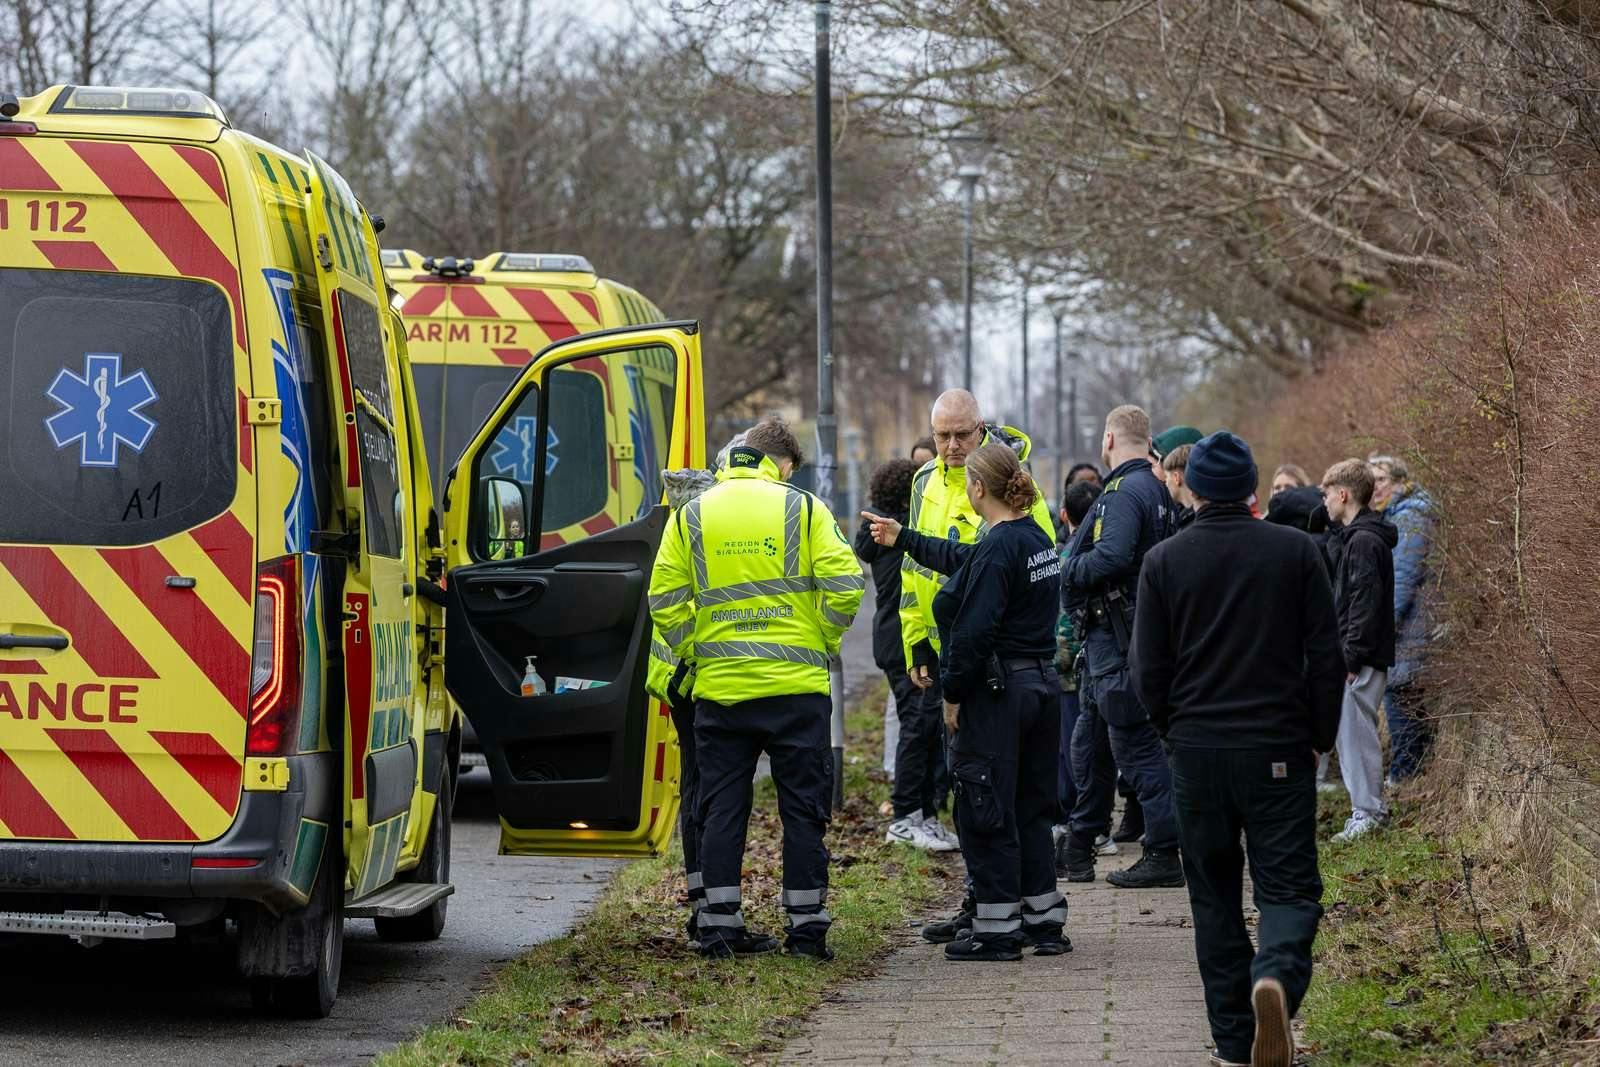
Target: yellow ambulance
[{"x": 222, "y": 567}]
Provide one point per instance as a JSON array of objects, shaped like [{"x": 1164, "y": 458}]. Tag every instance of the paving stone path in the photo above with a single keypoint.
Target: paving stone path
[{"x": 1129, "y": 992}]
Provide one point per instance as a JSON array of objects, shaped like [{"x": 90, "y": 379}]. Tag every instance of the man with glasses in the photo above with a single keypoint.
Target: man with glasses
[{"x": 939, "y": 508}]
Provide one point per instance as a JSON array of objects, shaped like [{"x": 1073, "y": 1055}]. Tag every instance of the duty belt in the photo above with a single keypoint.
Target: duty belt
[{"x": 1028, "y": 663}]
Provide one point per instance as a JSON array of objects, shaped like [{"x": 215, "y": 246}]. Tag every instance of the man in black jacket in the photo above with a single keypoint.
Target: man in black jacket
[
  {"x": 921, "y": 783},
  {"x": 1363, "y": 592},
  {"x": 1100, "y": 580},
  {"x": 1236, "y": 656}
]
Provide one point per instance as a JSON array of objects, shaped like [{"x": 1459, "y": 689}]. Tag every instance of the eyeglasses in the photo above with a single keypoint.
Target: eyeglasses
[
  {"x": 958, "y": 435},
  {"x": 944, "y": 438}
]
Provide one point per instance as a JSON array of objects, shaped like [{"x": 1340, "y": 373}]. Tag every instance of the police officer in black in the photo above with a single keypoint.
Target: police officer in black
[
  {"x": 1098, "y": 585},
  {"x": 996, "y": 619}
]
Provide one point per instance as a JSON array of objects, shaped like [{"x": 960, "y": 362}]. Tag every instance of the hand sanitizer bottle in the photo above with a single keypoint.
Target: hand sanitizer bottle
[{"x": 532, "y": 684}]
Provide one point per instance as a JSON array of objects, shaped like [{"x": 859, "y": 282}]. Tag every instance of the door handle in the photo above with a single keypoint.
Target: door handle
[
  {"x": 509, "y": 587},
  {"x": 52, "y": 641}
]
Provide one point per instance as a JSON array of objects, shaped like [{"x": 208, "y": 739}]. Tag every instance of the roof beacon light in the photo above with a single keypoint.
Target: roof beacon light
[
  {"x": 448, "y": 266},
  {"x": 9, "y": 105},
  {"x": 528, "y": 261},
  {"x": 169, "y": 103}
]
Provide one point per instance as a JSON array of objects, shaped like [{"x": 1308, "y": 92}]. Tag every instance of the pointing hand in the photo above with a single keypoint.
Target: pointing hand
[{"x": 884, "y": 531}]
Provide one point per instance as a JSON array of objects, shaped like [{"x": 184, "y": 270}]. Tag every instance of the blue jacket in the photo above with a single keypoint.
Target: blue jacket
[
  {"x": 1132, "y": 516},
  {"x": 1411, "y": 511}
]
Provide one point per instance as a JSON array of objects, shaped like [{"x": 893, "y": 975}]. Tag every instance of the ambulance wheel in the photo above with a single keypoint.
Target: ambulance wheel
[
  {"x": 312, "y": 995},
  {"x": 427, "y": 924}
]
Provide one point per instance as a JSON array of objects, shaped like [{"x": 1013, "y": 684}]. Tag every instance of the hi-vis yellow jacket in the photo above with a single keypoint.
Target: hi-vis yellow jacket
[
  {"x": 755, "y": 585},
  {"x": 940, "y": 508}
]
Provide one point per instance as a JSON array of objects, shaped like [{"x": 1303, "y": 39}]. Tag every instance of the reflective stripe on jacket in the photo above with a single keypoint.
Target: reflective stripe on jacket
[
  {"x": 756, "y": 585},
  {"x": 940, "y": 508}
]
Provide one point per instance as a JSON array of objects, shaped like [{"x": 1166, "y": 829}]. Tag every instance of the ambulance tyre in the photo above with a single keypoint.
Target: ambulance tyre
[
  {"x": 427, "y": 924},
  {"x": 311, "y": 995}
]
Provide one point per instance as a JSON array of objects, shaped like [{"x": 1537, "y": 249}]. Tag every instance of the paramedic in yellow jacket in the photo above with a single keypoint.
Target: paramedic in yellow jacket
[
  {"x": 939, "y": 508},
  {"x": 755, "y": 584}
]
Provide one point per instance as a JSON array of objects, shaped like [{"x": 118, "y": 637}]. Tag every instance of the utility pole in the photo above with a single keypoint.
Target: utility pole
[
  {"x": 1058, "y": 310},
  {"x": 969, "y": 150},
  {"x": 827, "y": 425},
  {"x": 1027, "y": 396}
]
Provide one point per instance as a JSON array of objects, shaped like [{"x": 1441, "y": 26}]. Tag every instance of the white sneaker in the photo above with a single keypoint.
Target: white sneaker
[
  {"x": 946, "y": 838},
  {"x": 1104, "y": 846},
  {"x": 908, "y": 831},
  {"x": 1355, "y": 826}
]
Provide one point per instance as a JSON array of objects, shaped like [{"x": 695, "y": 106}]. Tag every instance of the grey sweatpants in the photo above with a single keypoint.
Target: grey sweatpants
[{"x": 1360, "y": 752}]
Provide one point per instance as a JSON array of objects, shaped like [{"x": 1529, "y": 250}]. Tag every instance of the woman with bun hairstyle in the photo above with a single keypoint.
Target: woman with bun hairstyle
[{"x": 996, "y": 618}]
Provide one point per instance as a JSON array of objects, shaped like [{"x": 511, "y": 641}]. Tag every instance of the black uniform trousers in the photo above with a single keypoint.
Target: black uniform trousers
[
  {"x": 1094, "y": 773},
  {"x": 729, "y": 739},
  {"x": 1271, "y": 797},
  {"x": 1135, "y": 748},
  {"x": 1066, "y": 781},
  {"x": 1003, "y": 760},
  {"x": 920, "y": 780},
  {"x": 689, "y": 802}
]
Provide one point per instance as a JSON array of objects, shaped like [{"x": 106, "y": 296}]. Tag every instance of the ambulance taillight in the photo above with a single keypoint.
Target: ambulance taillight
[{"x": 274, "y": 723}]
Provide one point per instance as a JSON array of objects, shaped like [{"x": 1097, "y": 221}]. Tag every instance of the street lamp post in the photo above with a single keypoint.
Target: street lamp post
[
  {"x": 827, "y": 426},
  {"x": 969, "y": 150},
  {"x": 1065, "y": 446},
  {"x": 1027, "y": 396}
]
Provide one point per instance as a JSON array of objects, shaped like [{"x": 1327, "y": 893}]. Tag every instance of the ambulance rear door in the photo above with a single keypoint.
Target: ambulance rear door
[
  {"x": 127, "y": 487},
  {"x": 551, "y": 550},
  {"x": 378, "y": 541}
]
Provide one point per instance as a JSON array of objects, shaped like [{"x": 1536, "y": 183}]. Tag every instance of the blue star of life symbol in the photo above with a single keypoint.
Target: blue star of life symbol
[
  {"x": 516, "y": 445},
  {"x": 101, "y": 410}
]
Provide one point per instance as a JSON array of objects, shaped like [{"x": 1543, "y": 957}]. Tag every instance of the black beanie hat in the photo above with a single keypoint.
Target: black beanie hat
[{"x": 1221, "y": 469}]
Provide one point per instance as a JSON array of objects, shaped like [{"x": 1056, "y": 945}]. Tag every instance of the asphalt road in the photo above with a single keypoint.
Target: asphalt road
[{"x": 176, "y": 1005}]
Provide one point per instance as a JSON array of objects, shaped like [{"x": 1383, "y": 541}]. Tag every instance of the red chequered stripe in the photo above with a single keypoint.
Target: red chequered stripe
[
  {"x": 661, "y": 761},
  {"x": 425, "y": 301},
  {"x": 21, "y": 666},
  {"x": 358, "y": 688},
  {"x": 472, "y": 303},
  {"x": 247, "y": 436},
  {"x": 22, "y": 809},
  {"x": 74, "y": 255},
  {"x": 598, "y": 524},
  {"x": 207, "y": 762},
  {"x": 118, "y": 780},
  {"x": 232, "y": 549},
  {"x": 588, "y": 303},
  {"x": 19, "y": 170},
  {"x": 543, "y": 310},
  {"x": 164, "y": 218},
  {"x": 185, "y": 617},
  {"x": 95, "y": 637},
  {"x": 205, "y": 165},
  {"x": 515, "y": 357}
]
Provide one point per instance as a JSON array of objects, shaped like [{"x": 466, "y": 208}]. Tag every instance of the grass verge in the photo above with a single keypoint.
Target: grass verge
[
  {"x": 624, "y": 987},
  {"x": 1413, "y": 967}
]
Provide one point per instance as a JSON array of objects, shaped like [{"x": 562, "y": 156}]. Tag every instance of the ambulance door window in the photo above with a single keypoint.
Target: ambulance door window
[{"x": 380, "y": 475}]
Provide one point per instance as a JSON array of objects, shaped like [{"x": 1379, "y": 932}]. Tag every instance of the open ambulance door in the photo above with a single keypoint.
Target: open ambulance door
[{"x": 550, "y": 558}]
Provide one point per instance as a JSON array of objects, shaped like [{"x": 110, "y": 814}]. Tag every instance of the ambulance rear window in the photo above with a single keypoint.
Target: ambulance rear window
[
  {"x": 121, "y": 416},
  {"x": 453, "y": 401}
]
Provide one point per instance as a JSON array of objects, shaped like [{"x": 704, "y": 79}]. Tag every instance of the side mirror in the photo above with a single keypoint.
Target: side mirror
[{"x": 505, "y": 518}]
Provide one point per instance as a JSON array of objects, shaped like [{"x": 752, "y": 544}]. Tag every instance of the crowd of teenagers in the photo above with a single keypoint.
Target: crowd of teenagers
[{"x": 1164, "y": 633}]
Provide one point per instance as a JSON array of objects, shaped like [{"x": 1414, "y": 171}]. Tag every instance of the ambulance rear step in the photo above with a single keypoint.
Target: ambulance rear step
[
  {"x": 397, "y": 900},
  {"x": 88, "y": 928}
]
